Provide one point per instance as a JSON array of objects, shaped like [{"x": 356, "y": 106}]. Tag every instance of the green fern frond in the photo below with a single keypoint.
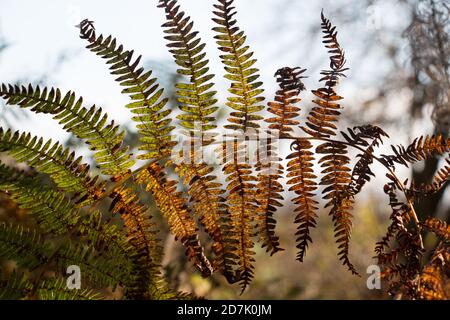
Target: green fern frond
[
  {"x": 195, "y": 97},
  {"x": 56, "y": 289},
  {"x": 148, "y": 105},
  {"x": 88, "y": 124},
  {"x": 67, "y": 171},
  {"x": 15, "y": 287},
  {"x": 25, "y": 247},
  {"x": 50, "y": 209},
  {"x": 246, "y": 93}
]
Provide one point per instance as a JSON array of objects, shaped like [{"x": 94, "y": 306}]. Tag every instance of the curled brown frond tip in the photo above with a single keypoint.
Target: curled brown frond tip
[{"x": 290, "y": 78}]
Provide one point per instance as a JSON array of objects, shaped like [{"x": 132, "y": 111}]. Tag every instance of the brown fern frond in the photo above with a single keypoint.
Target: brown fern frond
[
  {"x": 268, "y": 194},
  {"x": 336, "y": 180},
  {"x": 207, "y": 197},
  {"x": 420, "y": 149},
  {"x": 141, "y": 233},
  {"x": 400, "y": 252},
  {"x": 242, "y": 210},
  {"x": 173, "y": 207},
  {"x": 320, "y": 121},
  {"x": 438, "y": 227},
  {"x": 369, "y": 137},
  {"x": 283, "y": 108},
  {"x": 301, "y": 176}
]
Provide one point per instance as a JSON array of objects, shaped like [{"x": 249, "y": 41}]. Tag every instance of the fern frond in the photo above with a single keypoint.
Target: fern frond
[
  {"x": 368, "y": 137},
  {"x": 15, "y": 287},
  {"x": 336, "y": 179},
  {"x": 246, "y": 93},
  {"x": 302, "y": 178},
  {"x": 283, "y": 107},
  {"x": 173, "y": 206},
  {"x": 88, "y": 124},
  {"x": 25, "y": 247},
  {"x": 420, "y": 149},
  {"x": 268, "y": 195},
  {"x": 51, "y": 210},
  {"x": 206, "y": 195},
  {"x": 147, "y": 104},
  {"x": 67, "y": 171},
  {"x": 242, "y": 210},
  {"x": 195, "y": 96},
  {"x": 141, "y": 233},
  {"x": 56, "y": 289},
  {"x": 438, "y": 227},
  {"x": 321, "y": 119}
]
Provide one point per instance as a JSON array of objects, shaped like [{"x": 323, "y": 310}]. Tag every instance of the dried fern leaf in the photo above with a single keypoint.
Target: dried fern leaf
[
  {"x": 438, "y": 227},
  {"x": 302, "y": 178},
  {"x": 141, "y": 233},
  {"x": 268, "y": 195},
  {"x": 173, "y": 206},
  {"x": 287, "y": 96},
  {"x": 420, "y": 149},
  {"x": 242, "y": 210},
  {"x": 103, "y": 139}
]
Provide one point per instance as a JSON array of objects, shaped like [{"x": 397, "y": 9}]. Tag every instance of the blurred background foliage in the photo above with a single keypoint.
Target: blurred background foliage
[{"x": 401, "y": 66}]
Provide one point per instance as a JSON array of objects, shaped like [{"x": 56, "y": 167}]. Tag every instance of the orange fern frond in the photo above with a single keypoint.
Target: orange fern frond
[
  {"x": 301, "y": 176},
  {"x": 283, "y": 107},
  {"x": 242, "y": 210},
  {"x": 173, "y": 207},
  {"x": 420, "y": 149}
]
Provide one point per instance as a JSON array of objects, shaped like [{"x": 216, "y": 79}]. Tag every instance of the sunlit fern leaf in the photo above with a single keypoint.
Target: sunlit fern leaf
[
  {"x": 67, "y": 171},
  {"x": 173, "y": 206},
  {"x": 148, "y": 103},
  {"x": 242, "y": 210},
  {"x": 88, "y": 124},
  {"x": 440, "y": 179},
  {"x": 268, "y": 194},
  {"x": 246, "y": 93},
  {"x": 284, "y": 109},
  {"x": 56, "y": 289},
  {"x": 197, "y": 101},
  {"x": 142, "y": 235},
  {"x": 302, "y": 178},
  {"x": 50, "y": 209},
  {"x": 197, "y": 104},
  {"x": 420, "y": 149}
]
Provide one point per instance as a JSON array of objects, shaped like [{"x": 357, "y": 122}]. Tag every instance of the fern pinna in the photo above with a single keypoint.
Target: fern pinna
[{"x": 119, "y": 247}]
